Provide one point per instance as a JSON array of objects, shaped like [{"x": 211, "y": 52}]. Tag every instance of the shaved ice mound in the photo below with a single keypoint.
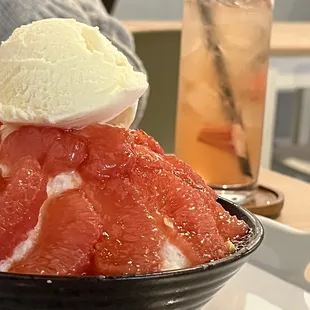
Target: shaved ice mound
[{"x": 104, "y": 200}]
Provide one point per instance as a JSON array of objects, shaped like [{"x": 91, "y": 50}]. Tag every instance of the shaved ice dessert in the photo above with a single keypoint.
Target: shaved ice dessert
[
  {"x": 100, "y": 199},
  {"x": 104, "y": 200}
]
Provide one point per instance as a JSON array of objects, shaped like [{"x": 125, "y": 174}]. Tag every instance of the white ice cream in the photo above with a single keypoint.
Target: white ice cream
[{"x": 63, "y": 73}]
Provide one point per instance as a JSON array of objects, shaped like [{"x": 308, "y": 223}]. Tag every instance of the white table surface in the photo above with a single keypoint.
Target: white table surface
[{"x": 255, "y": 289}]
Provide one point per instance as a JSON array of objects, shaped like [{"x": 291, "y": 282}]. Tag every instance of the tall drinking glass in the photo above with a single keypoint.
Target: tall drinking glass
[{"x": 222, "y": 87}]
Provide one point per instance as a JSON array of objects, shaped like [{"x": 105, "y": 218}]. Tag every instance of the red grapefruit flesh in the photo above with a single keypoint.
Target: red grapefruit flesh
[
  {"x": 133, "y": 199},
  {"x": 3, "y": 181},
  {"x": 109, "y": 153},
  {"x": 196, "y": 224},
  {"x": 229, "y": 226},
  {"x": 188, "y": 175},
  {"x": 65, "y": 154},
  {"x": 194, "y": 228},
  {"x": 179, "y": 194},
  {"x": 28, "y": 141},
  {"x": 69, "y": 231},
  {"x": 131, "y": 240},
  {"x": 141, "y": 138},
  {"x": 20, "y": 204},
  {"x": 107, "y": 135},
  {"x": 57, "y": 151}
]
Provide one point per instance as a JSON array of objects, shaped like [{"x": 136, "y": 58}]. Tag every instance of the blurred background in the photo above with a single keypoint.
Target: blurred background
[
  {"x": 290, "y": 142},
  {"x": 285, "y": 10}
]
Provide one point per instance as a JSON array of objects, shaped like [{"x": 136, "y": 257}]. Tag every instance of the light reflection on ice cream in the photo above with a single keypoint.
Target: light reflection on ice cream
[{"x": 63, "y": 73}]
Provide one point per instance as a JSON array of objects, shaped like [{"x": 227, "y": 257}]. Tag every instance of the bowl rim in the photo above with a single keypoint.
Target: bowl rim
[{"x": 258, "y": 235}]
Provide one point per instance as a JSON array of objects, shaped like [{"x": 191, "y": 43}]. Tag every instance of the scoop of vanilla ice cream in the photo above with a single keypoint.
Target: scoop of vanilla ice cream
[{"x": 63, "y": 73}]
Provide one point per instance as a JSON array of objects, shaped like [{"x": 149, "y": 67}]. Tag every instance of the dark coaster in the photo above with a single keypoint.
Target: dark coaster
[{"x": 267, "y": 202}]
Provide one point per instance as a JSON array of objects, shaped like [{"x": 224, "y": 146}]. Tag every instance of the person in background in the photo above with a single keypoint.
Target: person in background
[{"x": 14, "y": 13}]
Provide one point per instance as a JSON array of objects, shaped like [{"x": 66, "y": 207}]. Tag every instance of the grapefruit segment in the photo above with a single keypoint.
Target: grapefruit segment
[
  {"x": 132, "y": 200},
  {"x": 131, "y": 240},
  {"x": 196, "y": 224},
  {"x": 194, "y": 228},
  {"x": 65, "y": 154},
  {"x": 57, "y": 151},
  {"x": 110, "y": 153},
  {"x": 141, "y": 138},
  {"x": 229, "y": 226},
  {"x": 188, "y": 175},
  {"x": 69, "y": 230},
  {"x": 107, "y": 135},
  {"x": 20, "y": 203},
  {"x": 28, "y": 141}
]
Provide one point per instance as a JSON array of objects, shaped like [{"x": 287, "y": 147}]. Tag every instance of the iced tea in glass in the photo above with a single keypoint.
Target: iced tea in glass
[{"x": 222, "y": 87}]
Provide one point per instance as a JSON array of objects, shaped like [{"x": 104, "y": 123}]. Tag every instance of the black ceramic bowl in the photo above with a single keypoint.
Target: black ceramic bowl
[{"x": 182, "y": 289}]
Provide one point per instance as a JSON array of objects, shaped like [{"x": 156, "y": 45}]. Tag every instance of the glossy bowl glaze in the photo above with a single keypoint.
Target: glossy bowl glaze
[{"x": 184, "y": 289}]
